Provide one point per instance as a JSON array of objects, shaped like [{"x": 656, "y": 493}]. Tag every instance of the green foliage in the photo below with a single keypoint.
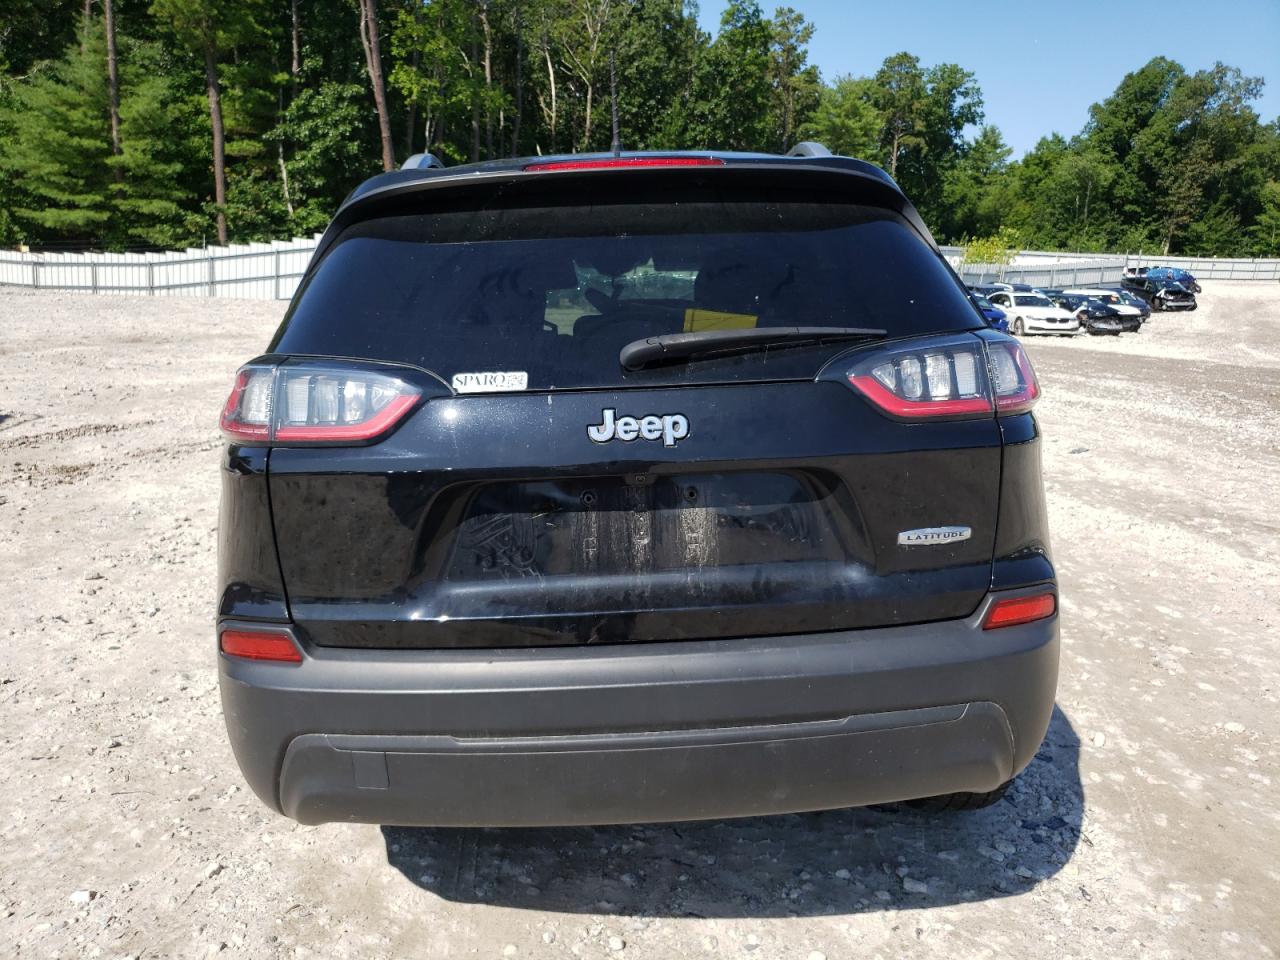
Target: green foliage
[
  {"x": 163, "y": 132},
  {"x": 1170, "y": 161},
  {"x": 656, "y": 55},
  {"x": 58, "y": 149},
  {"x": 997, "y": 249},
  {"x": 846, "y": 119},
  {"x": 1265, "y": 232},
  {"x": 324, "y": 125},
  {"x": 731, "y": 100},
  {"x": 795, "y": 85}
]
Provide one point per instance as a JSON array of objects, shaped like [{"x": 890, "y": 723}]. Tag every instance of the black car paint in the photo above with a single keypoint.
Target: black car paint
[
  {"x": 1161, "y": 294},
  {"x": 1096, "y": 317},
  {"x": 344, "y": 547}
]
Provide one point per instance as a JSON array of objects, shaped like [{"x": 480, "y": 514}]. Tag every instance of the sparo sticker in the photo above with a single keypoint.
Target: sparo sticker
[{"x": 490, "y": 381}]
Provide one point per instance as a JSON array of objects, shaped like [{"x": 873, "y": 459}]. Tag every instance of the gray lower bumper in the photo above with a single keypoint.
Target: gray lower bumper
[{"x": 649, "y": 732}]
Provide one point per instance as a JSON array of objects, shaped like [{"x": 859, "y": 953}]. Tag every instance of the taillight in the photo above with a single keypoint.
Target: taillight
[
  {"x": 1012, "y": 611},
  {"x": 947, "y": 378},
  {"x": 1012, "y": 379},
  {"x": 607, "y": 162},
  {"x": 259, "y": 645},
  {"x": 315, "y": 403}
]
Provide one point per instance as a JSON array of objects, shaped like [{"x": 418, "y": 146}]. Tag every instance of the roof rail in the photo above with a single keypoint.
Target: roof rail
[
  {"x": 809, "y": 148},
  {"x": 422, "y": 161}
]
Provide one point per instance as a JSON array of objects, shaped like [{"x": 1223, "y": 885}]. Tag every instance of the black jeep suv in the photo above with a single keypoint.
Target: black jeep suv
[{"x": 648, "y": 487}]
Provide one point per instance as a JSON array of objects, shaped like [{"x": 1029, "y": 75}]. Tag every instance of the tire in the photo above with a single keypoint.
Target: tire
[
  {"x": 959, "y": 802},
  {"x": 1016, "y": 328}
]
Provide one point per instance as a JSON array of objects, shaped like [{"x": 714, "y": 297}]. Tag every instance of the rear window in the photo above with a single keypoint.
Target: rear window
[{"x": 555, "y": 291}]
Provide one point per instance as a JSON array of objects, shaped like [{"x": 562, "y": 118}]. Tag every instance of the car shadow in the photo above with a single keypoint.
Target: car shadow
[{"x": 835, "y": 862}]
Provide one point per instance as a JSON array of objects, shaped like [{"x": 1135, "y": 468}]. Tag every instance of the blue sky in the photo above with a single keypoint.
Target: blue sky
[{"x": 1041, "y": 63}]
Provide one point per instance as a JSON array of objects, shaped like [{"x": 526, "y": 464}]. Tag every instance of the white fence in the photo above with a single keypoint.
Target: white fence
[
  {"x": 1213, "y": 268},
  {"x": 1069, "y": 273},
  {"x": 259, "y": 271},
  {"x": 1050, "y": 268},
  {"x": 271, "y": 271}
]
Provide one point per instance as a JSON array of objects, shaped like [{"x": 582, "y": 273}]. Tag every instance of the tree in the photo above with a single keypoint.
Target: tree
[
  {"x": 730, "y": 106},
  {"x": 657, "y": 46},
  {"x": 113, "y": 79},
  {"x": 899, "y": 97},
  {"x": 580, "y": 36},
  {"x": 1265, "y": 232},
  {"x": 795, "y": 82},
  {"x": 846, "y": 119},
  {"x": 324, "y": 121},
  {"x": 974, "y": 189},
  {"x": 369, "y": 40},
  {"x": 58, "y": 148},
  {"x": 163, "y": 136},
  {"x": 32, "y": 31},
  {"x": 207, "y": 27}
]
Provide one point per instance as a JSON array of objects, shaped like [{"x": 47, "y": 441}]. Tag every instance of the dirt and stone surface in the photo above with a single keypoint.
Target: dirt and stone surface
[{"x": 1147, "y": 826}]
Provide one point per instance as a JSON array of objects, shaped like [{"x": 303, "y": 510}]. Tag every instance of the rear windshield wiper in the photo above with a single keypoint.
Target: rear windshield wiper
[{"x": 674, "y": 347}]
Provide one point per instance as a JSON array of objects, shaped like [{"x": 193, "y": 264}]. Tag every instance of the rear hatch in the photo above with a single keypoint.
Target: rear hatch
[{"x": 541, "y": 493}]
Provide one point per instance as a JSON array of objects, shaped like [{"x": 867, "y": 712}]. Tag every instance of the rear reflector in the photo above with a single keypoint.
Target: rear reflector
[
  {"x": 259, "y": 645},
  {"x": 604, "y": 164},
  {"x": 1016, "y": 610}
]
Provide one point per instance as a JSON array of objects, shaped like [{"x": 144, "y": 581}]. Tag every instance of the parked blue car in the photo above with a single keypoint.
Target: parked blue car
[{"x": 995, "y": 316}]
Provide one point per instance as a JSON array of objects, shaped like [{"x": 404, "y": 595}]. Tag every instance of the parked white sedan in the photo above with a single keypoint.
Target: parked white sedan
[{"x": 1033, "y": 312}]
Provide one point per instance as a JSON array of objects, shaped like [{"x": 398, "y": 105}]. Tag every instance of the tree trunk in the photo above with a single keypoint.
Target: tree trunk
[
  {"x": 219, "y": 146},
  {"x": 284, "y": 169},
  {"x": 373, "y": 61},
  {"x": 551, "y": 79},
  {"x": 515, "y": 127},
  {"x": 475, "y": 98},
  {"x": 86, "y": 14},
  {"x": 295, "y": 37},
  {"x": 893, "y": 156},
  {"x": 113, "y": 85},
  {"x": 488, "y": 78}
]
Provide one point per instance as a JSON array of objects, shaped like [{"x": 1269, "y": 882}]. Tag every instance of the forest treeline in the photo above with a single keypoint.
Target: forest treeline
[{"x": 127, "y": 124}]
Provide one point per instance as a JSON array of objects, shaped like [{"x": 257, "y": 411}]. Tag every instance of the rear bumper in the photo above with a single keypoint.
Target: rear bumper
[{"x": 647, "y": 732}]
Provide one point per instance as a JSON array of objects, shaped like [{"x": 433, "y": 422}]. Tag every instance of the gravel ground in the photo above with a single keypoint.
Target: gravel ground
[{"x": 1146, "y": 826}]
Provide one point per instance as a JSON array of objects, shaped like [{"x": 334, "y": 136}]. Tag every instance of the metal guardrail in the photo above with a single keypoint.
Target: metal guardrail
[{"x": 271, "y": 271}]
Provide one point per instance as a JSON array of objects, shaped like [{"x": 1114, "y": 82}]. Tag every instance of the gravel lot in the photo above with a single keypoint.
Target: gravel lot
[{"x": 1147, "y": 826}]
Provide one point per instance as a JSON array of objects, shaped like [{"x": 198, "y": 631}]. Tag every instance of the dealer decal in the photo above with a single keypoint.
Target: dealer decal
[{"x": 495, "y": 381}]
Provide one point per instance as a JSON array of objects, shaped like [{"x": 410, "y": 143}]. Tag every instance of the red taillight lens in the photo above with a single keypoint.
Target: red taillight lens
[
  {"x": 938, "y": 378},
  {"x": 1015, "y": 610},
  {"x": 318, "y": 403},
  {"x": 605, "y": 163},
  {"x": 947, "y": 378},
  {"x": 259, "y": 645}
]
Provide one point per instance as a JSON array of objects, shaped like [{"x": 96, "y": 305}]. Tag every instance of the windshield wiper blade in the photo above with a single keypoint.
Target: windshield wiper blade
[{"x": 674, "y": 347}]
